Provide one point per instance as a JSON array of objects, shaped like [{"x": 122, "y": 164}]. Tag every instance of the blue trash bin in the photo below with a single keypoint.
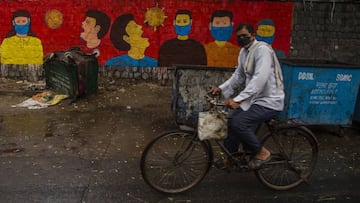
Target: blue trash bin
[
  {"x": 357, "y": 109},
  {"x": 320, "y": 92}
]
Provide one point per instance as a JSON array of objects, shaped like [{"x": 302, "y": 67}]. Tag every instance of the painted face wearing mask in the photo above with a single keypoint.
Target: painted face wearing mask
[
  {"x": 265, "y": 31},
  {"x": 182, "y": 24},
  {"x": 20, "y": 27},
  {"x": 221, "y": 33}
]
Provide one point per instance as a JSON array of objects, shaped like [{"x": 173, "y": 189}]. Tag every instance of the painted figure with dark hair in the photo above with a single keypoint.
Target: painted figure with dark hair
[
  {"x": 266, "y": 32},
  {"x": 182, "y": 50},
  {"x": 21, "y": 50},
  {"x": 126, "y": 35},
  {"x": 95, "y": 27},
  {"x": 221, "y": 52}
]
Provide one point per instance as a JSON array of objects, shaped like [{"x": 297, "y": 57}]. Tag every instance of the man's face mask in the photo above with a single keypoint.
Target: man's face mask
[
  {"x": 243, "y": 40},
  {"x": 221, "y": 33},
  {"x": 22, "y": 29}
]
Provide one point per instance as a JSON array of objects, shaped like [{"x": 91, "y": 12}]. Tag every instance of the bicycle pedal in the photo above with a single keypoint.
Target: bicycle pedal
[
  {"x": 245, "y": 168},
  {"x": 222, "y": 164}
]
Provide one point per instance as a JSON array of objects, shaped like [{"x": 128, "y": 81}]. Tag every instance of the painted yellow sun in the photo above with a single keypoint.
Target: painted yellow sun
[
  {"x": 53, "y": 18},
  {"x": 155, "y": 16}
]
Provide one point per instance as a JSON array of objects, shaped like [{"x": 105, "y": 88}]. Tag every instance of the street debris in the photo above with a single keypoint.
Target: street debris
[
  {"x": 42, "y": 100},
  {"x": 12, "y": 150}
]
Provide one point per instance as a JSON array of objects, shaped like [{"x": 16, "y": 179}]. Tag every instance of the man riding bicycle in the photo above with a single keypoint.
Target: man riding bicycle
[{"x": 262, "y": 98}]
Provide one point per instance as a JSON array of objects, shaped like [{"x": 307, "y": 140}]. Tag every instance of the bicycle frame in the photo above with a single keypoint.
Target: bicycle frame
[{"x": 293, "y": 147}]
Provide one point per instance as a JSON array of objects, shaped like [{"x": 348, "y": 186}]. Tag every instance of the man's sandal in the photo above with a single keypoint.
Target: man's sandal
[{"x": 256, "y": 163}]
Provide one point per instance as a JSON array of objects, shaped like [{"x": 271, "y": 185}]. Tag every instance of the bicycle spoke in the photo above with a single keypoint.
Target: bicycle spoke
[
  {"x": 294, "y": 152},
  {"x": 175, "y": 162},
  {"x": 280, "y": 147}
]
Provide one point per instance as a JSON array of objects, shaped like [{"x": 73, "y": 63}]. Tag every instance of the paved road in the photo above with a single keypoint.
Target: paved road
[{"x": 89, "y": 151}]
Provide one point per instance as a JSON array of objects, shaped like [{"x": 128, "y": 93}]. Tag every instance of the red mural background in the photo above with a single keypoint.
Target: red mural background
[{"x": 74, "y": 14}]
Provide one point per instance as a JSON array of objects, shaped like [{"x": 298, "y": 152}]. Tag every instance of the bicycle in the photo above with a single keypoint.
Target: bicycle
[{"x": 177, "y": 160}]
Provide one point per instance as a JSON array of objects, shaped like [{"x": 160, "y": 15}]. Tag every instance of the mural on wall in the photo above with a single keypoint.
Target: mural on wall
[
  {"x": 54, "y": 18},
  {"x": 174, "y": 34},
  {"x": 182, "y": 49},
  {"x": 155, "y": 17},
  {"x": 266, "y": 32},
  {"x": 95, "y": 27},
  {"x": 221, "y": 52},
  {"x": 126, "y": 35},
  {"x": 21, "y": 46}
]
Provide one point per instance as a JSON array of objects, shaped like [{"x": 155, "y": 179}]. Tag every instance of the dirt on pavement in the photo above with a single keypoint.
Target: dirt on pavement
[
  {"x": 129, "y": 111},
  {"x": 89, "y": 150}
]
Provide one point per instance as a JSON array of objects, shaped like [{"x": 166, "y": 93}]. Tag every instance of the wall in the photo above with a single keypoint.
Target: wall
[
  {"x": 326, "y": 30},
  {"x": 62, "y": 30},
  {"x": 316, "y": 29}
]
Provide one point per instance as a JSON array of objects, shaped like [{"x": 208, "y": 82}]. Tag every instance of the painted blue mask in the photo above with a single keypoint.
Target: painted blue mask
[
  {"x": 221, "y": 33},
  {"x": 22, "y": 29},
  {"x": 183, "y": 30},
  {"x": 268, "y": 40}
]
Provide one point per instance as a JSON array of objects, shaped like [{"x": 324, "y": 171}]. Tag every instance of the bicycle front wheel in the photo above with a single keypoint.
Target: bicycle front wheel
[
  {"x": 175, "y": 162},
  {"x": 294, "y": 154}
]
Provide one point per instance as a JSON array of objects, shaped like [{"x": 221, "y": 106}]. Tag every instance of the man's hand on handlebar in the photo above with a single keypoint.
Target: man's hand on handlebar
[
  {"x": 232, "y": 103},
  {"x": 215, "y": 90}
]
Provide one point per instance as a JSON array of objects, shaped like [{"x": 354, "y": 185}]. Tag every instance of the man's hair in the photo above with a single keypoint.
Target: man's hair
[
  {"x": 247, "y": 26},
  {"x": 186, "y": 12},
  {"x": 118, "y": 31},
  {"x": 222, "y": 13},
  {"x": 102, "y": 19}
]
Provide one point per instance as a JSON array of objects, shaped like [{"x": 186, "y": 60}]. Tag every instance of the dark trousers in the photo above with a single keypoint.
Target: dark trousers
[{"x": 240, "y": 128}]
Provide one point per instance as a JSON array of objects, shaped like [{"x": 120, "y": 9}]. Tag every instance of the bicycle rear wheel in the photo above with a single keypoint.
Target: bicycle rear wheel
[
  {"x": 175, "y": 161},
  {"x": 294, "y": 155}
]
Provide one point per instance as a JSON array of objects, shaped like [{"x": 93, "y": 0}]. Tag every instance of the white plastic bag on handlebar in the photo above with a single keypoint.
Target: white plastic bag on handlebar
[{"x": 212, "y": 125}]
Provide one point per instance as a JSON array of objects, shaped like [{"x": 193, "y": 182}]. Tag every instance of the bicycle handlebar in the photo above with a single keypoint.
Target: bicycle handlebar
[{"x": 212, "y": 99}]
